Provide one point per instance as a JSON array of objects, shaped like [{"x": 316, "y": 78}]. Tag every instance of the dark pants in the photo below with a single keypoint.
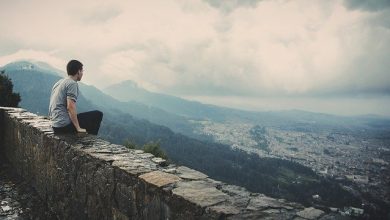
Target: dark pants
[{"x": 88, "y": 120}]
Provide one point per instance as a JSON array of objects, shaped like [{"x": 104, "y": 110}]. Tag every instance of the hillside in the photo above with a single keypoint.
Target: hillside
[
  {"x": 297, "y": 120},
  {"x": 130, "y": 91}
]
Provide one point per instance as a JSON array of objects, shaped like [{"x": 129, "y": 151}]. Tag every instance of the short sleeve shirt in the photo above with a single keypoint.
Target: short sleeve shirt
[{"x": 61, "y": 91}]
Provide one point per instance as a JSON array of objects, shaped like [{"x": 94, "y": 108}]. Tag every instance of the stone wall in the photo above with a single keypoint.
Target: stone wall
[
  {"x": 1, "y": 131},
  {"x": 84, "y": 177}
]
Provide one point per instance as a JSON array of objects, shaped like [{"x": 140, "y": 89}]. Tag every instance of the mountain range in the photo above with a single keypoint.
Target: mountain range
[
  {"x": 141, "y": 116},
  {"x": 129, "y": 91},
  {"x": 174, "y": 112}
]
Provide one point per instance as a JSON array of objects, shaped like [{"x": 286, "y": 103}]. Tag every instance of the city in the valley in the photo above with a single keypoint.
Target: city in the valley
[{"x": 359, "y": 161}]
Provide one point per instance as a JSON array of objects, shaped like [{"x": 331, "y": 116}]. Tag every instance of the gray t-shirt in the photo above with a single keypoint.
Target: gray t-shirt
[{"x": 62, "y": 90}]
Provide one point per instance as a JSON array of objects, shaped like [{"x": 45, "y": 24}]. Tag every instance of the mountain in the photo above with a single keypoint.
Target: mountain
[
  {"x": 177, "y": 123},
  {"x": 297, "y": 120},
  {"x": 34, "y": 86},
  {"x": 176, "y": 113},
  {"x": 130, "y": 91},
  {"x": 32, "y": 65},
  {"x": 35, "y": 79}
]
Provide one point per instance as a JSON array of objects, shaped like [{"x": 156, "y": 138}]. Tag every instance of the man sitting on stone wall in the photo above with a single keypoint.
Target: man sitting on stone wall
[{"x": 62, "y": 108}]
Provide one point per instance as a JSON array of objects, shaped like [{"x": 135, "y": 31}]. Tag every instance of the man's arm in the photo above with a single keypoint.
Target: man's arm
[{"x": 71, "y": 106}]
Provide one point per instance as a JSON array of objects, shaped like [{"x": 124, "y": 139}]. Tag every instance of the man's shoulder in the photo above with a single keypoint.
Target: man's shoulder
[
  {"x": 59, "y": 81},
  {"x": 67, "y": 82}
]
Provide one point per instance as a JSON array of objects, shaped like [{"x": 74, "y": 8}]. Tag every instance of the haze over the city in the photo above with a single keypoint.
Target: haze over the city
[{"x": 321, "y": 56}]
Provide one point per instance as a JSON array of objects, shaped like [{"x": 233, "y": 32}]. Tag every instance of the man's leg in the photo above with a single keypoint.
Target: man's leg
[
  {"x": 90, "y": 121},
  {"x": 69, "y": 129}
]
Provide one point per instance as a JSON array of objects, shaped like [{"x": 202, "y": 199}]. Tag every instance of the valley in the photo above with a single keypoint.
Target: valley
[{"x": 359, "y": 162}]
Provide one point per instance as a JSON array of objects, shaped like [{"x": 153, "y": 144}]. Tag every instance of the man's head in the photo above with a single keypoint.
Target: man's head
[{"x": 74, "y": 68}]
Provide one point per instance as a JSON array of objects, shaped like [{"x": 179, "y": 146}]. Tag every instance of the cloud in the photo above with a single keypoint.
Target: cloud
[
  {"x": 301, "y": 52},
  {"x": 331, "y": 105},
  {"x": 101, "y": 15},
  {"x": 228, "y": 6},
  {"x": 210, "y": 48},
  {"x": 370, "y": 5}
]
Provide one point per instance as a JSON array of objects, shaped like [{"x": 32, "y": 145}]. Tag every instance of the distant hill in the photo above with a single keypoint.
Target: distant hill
[
  {"x": 35, "y": 79},
  {"x": 30, "y": 65},
  {"x": 156, "y": 115},
  {"x": 287, "y": 120},
  {"x": 130, "y": 91},
  {"x": 34, "y": 86}
]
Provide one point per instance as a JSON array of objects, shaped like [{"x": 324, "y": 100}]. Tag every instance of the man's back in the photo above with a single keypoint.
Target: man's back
[{"x": 63, "y": 89}]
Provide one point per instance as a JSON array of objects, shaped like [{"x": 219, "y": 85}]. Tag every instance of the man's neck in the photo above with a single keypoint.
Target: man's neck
[{"x": 74, "y": 77}]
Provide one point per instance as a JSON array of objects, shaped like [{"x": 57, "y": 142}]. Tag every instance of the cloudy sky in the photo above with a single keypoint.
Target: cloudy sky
[{"x": 324, "y": 56}]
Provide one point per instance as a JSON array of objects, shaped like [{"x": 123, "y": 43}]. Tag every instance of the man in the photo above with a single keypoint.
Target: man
[{"x": 62, "y": 108}]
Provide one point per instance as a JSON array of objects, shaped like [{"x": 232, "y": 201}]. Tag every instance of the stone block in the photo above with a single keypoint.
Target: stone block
[
  {"x": 160, "y": 161},
  {"x": 262, "y": 202},
  {"x": 187, "y": 173},
  {"x": 310, "y": 213},
  {"x": 159, "y": 178},
  {"x": 200, "y": 193}
]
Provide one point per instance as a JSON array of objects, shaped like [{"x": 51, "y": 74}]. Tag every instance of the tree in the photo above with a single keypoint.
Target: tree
[
  {"x": 154, "y": 148},
  {"x": 150, "y": 147},
  {"x": 130, "y": 144},
  {"x": 7, "y": 97}
]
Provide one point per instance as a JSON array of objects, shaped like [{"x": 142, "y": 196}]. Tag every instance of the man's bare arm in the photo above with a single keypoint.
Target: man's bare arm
[{"x": 71, "y": 106}]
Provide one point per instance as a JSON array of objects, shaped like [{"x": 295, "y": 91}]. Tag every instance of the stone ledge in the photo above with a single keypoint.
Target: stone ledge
[
  {"x": 159, "y": 178},
  {"x": 85, "y": 177}
]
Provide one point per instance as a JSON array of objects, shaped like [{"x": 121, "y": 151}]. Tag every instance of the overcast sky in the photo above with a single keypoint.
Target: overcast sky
[{"x": 325, "y": 56}]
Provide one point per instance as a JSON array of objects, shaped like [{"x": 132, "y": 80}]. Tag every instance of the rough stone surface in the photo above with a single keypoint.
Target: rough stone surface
[
  {"x": 160, "y": 161},
  {"x": 310, "y": 213},
  {"x": 84, "y": 177},
  {"x": 263, "y": 202},
  {"x": 187, "y": 173},
  {"x": 225, "y": 209},
  {"x": 200, "y": 193},
  {"x": 159, "y": 178}
]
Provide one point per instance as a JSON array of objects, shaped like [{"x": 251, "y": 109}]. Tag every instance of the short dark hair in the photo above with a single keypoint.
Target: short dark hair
[{"x": 73, "y": 67}]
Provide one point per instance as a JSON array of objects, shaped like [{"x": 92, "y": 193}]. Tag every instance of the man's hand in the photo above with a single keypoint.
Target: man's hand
[{"x": 81, "y": 130}]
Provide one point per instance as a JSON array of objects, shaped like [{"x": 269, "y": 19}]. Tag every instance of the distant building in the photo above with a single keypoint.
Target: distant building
[
  {"x": 316, "y": 197},
  {"x": 379, "y": 161},
  {"x": 352, "y": 211},
  {"x": 358, "y": 178}
]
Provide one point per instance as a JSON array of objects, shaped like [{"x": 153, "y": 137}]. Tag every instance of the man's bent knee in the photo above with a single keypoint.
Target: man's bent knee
[{"x": 99, "y": 114}]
